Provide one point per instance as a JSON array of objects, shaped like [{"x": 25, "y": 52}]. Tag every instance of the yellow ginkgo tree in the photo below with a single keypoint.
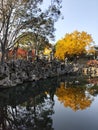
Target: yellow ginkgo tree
[{"x": 72, "y": 44}]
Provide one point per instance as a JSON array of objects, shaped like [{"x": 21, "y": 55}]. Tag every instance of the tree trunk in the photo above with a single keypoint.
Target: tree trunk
[
  {"x": 3, "y": 54},
  {"x": 6, "y": 55}
]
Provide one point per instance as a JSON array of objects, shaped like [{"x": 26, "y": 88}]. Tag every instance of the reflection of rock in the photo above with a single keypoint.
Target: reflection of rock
[
  {"x": 30, "y": 106},
  {"x": 31, "y": 111},
  {"x": 93, "y": 81}
]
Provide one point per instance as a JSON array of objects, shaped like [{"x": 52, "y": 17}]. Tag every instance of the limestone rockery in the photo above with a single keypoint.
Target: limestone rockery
[{"x": 16, "y": 72}]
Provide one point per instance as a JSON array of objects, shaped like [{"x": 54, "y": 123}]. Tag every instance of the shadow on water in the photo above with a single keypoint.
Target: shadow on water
[{"x": 30, "y": 106}]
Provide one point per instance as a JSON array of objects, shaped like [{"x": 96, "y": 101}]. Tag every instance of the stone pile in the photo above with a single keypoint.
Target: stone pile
[{"x": 18, "y": 71}]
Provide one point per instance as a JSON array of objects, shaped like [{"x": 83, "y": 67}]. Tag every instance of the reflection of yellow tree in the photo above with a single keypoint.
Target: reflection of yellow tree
[{"x": 73, "y": 97}]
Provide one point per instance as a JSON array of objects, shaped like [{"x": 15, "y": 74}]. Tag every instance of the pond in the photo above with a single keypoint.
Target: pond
[{"x": 65, "y": 103}]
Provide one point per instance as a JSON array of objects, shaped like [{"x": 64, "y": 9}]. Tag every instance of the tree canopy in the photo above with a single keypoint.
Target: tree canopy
[
  {"x": 73, "y": 44},
  {"x": 18, "y": 16},
  {"x": 28, "y": 40}
]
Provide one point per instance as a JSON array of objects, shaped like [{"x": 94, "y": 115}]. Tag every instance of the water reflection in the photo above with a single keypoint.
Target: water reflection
[
  {"x": 31, "y": 106},
  {"x": 74, "y": 97},
  {"x": 28, "y": 107}
]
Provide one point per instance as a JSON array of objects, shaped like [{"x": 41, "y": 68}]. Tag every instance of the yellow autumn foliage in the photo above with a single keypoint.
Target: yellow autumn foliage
[
  {"x": 47, "y": 51},
  {"x": 91, "y": 50},
  {"x": 73, "y": 97},
  {"x": 72, "y": 44}
]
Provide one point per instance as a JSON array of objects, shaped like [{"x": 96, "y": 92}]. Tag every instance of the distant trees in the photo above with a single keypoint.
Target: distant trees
[
  {"x": 28, "y": 40},
  {"x": 73, "y": 44},
  {"x": 18, "y": 16}
]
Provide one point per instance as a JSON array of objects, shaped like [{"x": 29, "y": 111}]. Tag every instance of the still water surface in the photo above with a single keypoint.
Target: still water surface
[{"x": 66, "y": 103}]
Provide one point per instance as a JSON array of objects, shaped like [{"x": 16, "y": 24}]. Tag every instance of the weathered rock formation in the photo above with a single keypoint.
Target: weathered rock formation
[{"x": 19, "y": 71}]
